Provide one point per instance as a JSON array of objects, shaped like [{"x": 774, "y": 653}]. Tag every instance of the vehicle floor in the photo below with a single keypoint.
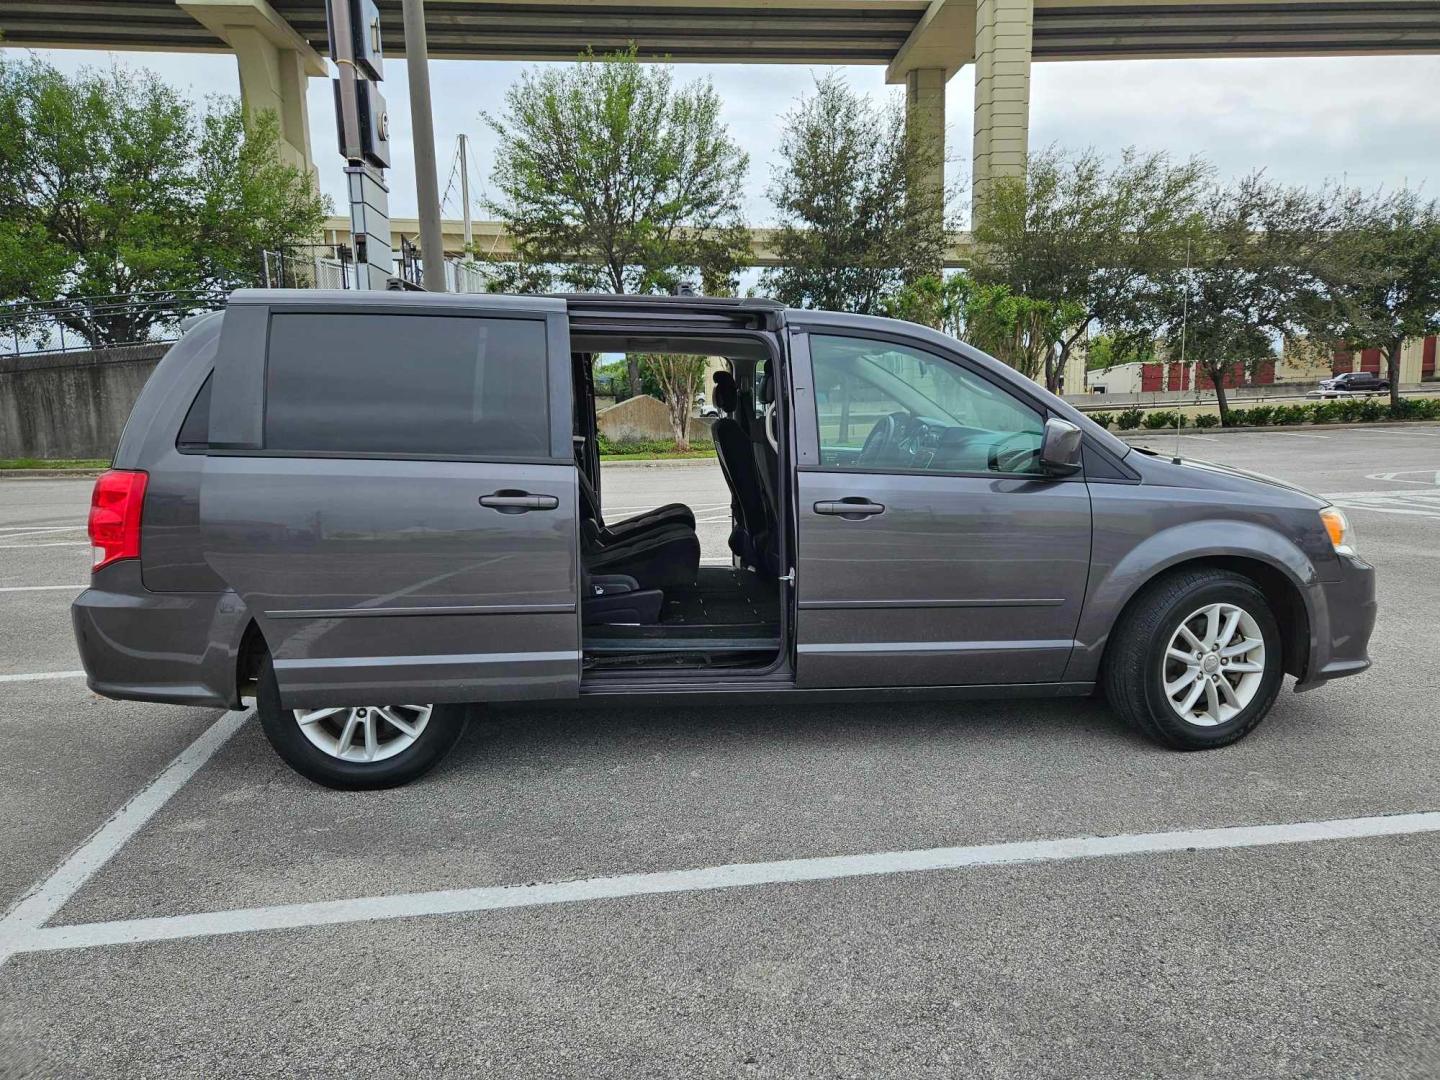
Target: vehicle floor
[{"x": 725, "y": 611}]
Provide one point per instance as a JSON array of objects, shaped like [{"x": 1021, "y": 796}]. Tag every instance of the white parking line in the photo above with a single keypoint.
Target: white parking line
[
  {"x": 789, "y": 871},
  {"x": 37, "y": 676},
  {"x": 41, "y": 903},
  {"x": 1298, "y": 435},
  {"x": 58, "y": 543},
  {"x": 42, "y": 588}
]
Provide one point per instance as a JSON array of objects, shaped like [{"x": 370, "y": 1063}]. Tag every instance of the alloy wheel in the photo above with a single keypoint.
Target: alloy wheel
[
  {"x": 1214, "y": 664},
  {"x": 364, "y": 733}
]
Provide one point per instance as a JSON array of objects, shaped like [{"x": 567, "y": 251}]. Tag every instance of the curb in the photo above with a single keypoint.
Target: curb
[
  {"x": 49, "y": 474},
  {"x": 1191, "y": 429},
  {"x": 651, "y": 463}
]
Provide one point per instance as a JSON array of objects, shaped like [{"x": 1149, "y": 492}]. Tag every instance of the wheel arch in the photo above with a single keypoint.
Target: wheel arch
[
  {"x": 1282, "y": 593},
  {"x": 1277, "y": 566}
]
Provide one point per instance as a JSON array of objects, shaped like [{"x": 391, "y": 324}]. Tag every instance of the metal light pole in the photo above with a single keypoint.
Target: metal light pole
[
  {"x": 422, "y": 133},
  {"x": 465, "y": 192}
]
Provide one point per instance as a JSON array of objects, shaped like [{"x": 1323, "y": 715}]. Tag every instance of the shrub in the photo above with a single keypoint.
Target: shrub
[
  {"x": 1129, "y": 419},
  {"x": 1373, "y": 409},
  {"x": 1207, "y": 420},
  {"x": 1260, "y": 415},
  {"x": 1164, "y": 418},
  {"x": 1104, "y": 419},
  {"x": 1417, "y": 409},
  {"x": 1237, "y": 418},
  {"x": 1292, "y": 414},
  {"x": 1326, "y": 412}
]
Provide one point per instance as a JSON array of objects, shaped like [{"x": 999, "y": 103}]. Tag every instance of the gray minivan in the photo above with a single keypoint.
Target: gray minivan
[{"x": 342, "y": 502}]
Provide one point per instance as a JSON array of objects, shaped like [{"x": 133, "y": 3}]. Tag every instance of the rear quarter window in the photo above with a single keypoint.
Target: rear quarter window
[
  {"x": 429, "y": 385},
  {"x": 194, "y": 436}
]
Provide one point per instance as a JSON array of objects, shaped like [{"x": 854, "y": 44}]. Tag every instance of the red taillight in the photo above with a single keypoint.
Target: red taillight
[{"x": 115, "y": 515}]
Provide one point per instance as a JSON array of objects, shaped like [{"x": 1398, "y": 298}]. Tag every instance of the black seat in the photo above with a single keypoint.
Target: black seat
[
  {"x": 659, "y": 518},
  {"x": 657, "y": 559},
  {"x": 751, "y": 538}
]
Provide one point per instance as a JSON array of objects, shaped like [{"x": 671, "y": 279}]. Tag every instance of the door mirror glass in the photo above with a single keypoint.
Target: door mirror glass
[{"x": 1060, "y": 450}]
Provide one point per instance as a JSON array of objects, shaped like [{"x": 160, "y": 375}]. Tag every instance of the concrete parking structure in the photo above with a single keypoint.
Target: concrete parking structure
[{"x": 1299, "y": 949}]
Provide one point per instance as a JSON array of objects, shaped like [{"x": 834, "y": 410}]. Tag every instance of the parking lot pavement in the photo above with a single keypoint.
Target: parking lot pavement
[{"x": 1316, "y": 958}]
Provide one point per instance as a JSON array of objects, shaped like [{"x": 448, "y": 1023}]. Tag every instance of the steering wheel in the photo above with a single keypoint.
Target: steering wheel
[
  {"x": 1013, "y": 459},
  {"x": 880, "y": 439}
]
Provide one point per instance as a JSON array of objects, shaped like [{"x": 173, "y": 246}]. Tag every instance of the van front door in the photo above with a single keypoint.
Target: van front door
[
  {"x": 405, "y": 529},
  {"x": 932, "y": 551}
]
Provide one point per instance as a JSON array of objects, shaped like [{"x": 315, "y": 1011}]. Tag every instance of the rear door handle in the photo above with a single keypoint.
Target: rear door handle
[
  {"x": 518, "y": 502},
  {"x": 851, "y": 508}
]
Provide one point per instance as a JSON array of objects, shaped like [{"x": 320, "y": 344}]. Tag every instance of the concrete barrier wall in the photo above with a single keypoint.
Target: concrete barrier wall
[
  {"x": 71, "y": 405},
  {"x": 644, "y": 419}
]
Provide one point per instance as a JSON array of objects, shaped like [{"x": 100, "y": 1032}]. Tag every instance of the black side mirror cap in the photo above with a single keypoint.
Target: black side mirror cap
[{"x": 1060, "y": 449}]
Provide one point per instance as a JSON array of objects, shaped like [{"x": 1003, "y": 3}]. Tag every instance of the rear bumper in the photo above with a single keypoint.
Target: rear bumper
[
  {"x": 1342, "y": 618},
  {"x": 137, "y": 645}
]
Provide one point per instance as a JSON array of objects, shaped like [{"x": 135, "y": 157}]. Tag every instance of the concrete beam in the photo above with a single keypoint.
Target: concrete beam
[
  {"x": 274, "y": 63},
  {"x": 492, "y": 240},
  {"x": 944, "y": 38}
]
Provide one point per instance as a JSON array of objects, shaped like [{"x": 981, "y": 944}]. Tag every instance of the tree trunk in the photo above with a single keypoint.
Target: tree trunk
[
  {"x": 1392, "y": 367},
  {"x": 632, "y": 373},
  {"x": 1060, "y": 365},
  {"x": 1218, "y": 380},
  {"x": 680, "y": 423}
]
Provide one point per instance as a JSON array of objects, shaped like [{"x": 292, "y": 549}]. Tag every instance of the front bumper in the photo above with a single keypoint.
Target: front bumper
[
  {"x": 137, "y": 645},
  {"x": 1342, "y": 617}
]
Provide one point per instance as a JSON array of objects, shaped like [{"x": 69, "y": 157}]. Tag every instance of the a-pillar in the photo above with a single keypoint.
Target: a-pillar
[
  {"x": 925, "y": 126},
  {"x": 1002, "y": 92},
  {"x": 274, "y": 63}
]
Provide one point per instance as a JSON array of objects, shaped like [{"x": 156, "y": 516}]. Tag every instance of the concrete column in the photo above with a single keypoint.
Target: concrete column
[
  {"x": 1074, "y": 371},
  {"x": 275, "y": 63},
  {"x": 1002, "y": 91},
  {"x": 925, "y": 124},
  {"x": 1412, "y": 358}
]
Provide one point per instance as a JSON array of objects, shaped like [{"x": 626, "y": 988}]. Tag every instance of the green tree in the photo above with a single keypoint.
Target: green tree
[
  {"x": 1091, "y": 238},
  {"x": 1012, "y": 327},
  {"x": 855, "y": 220},
  {"x": 1387, "y": 278},
  {"x": 1106, "y": 350},
  {"x": 111, "y": 183},
  {"x": 1263, "y": 267},
  {"x": 609, "y": 176},
  {"x": 679, "y": 377}
]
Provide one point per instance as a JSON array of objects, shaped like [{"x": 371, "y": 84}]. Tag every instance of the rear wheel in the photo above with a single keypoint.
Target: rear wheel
[
  {"x": 1197, "y": 661},
  {"x": 360, "y": 747}
]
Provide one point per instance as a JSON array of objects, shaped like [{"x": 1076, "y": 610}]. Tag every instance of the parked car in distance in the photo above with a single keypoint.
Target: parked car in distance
[
  {"x": 1352, "y": 382},
  {"x": 338, "y": 503}
]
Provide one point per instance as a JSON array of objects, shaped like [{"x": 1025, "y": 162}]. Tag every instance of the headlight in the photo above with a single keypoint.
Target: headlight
[{"x": 1338, "y": 526}]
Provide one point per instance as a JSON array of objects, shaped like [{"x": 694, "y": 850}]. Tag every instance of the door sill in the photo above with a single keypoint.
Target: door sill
[{"x": 683, "y": 680}]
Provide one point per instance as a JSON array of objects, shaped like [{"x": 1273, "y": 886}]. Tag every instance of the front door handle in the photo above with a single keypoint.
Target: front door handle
[
  {"x": 853, "y": 509},
  {"x": 518, "y": 502}
]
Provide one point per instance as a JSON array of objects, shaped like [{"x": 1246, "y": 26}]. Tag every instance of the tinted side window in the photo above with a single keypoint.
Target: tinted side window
[
  {"x": 886, "y": 407},
  {"x": 194, "y": 437},
  {"x": 407, "y": 384}
]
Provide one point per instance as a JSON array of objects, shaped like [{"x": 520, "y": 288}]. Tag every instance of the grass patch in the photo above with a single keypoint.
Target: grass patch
[
  {"x": 52, "y": 463},
  {"x": 661, "y": 449},
  {"x": 657, "y": 455}
]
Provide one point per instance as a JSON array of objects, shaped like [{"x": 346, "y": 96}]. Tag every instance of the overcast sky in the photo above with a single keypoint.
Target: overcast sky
[{"x": 1373, "y": 120}]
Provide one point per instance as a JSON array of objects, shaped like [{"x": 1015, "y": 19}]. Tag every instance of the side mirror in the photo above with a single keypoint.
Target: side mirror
[{"x": 1060, "y": 450}]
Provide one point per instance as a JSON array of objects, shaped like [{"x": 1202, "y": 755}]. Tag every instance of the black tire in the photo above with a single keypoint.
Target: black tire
[
  {"x": 445, "y": 726},
  {"x": 1135, "y": 659}
]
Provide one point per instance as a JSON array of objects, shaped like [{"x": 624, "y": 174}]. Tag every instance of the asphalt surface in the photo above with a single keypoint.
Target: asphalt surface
[{"x": 1313, "y": 959}]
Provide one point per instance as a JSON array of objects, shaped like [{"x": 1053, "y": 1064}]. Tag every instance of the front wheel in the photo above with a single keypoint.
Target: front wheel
[
  {"x": 360, "y": 747},
  {"x": 1196, "y": 662}
]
